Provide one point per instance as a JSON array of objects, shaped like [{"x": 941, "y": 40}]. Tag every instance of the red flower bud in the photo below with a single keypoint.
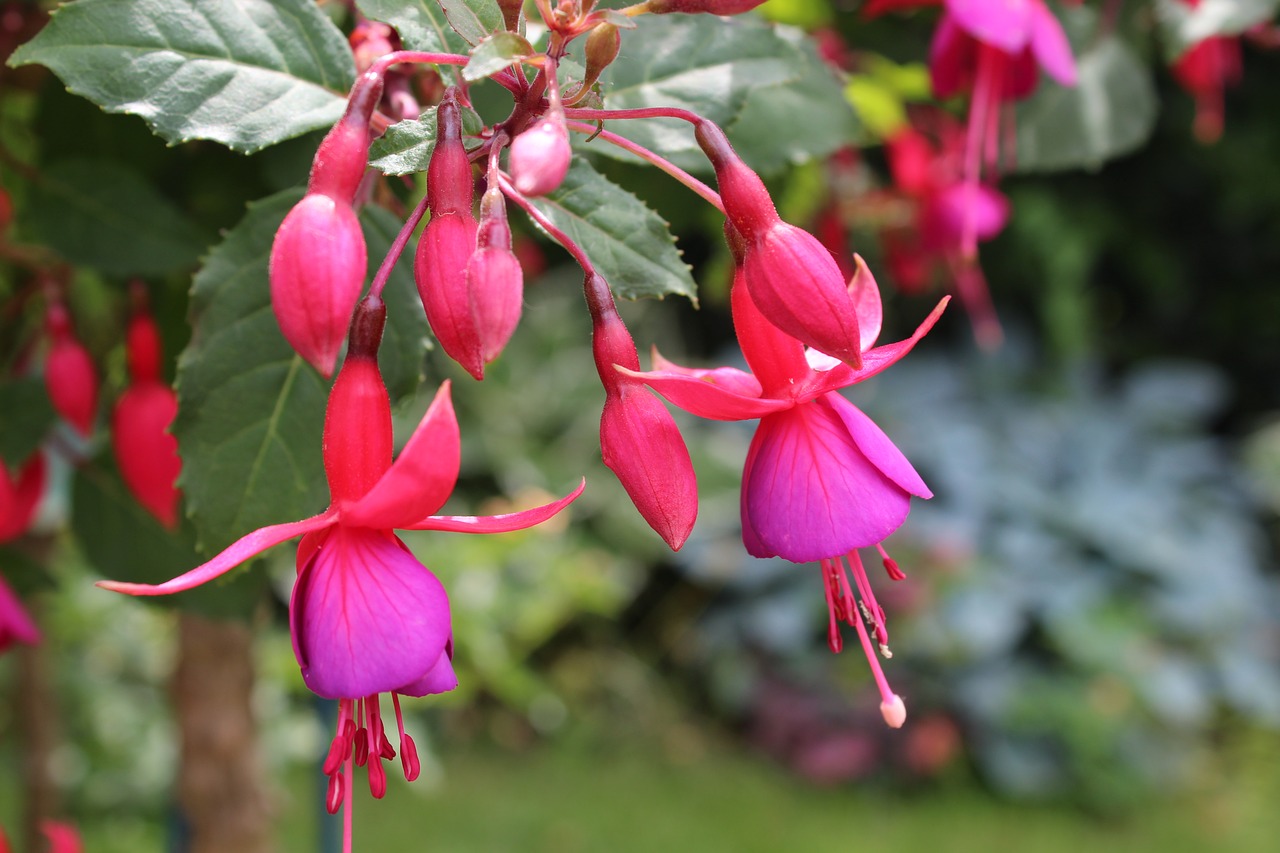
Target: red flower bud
[
  {"x": 69, "y": 375},
  {"x": 20, "y": 496},
  {"x": 340, "y": 161},
  {"x": 540, "y": 155},
  {"x": 357, "y": 422},
  {"x": 495, "y": 281},
  {"x": 450, "y": 188},
  {"x": 317, "y": 270},
  {"x": 145, "y": 451},
  {"x": 793, "y": 280},
  {"x": 639, "y": 439}
]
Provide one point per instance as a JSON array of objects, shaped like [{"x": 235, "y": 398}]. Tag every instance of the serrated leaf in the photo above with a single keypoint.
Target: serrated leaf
[
  {"x": 123, "y": 542},
  {"x": 1184, "y": 25},
  {"x": 104, "y": 215},
  {"x": 420, "y": 23},
  {"x": 251, "y": 412},
  {"x": 1109, "y": 112},
  {"x": 406, "y": 146},
  {"x": 474, "y": 20},
  {"x": 28, "y": 414},
  {"x": 495, "y": 53},
  {"x": 246, "y": 73},
  {"x": 629, "y": 243}
]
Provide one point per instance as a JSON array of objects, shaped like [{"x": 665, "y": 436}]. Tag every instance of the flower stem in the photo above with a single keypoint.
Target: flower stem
[
  {"x": 417, "y": 57},
  {"x": 397, "y": 247},
  {"x": 709, "y": 195},
  {"x": 545, "y": 224},
  {"x": 644, "y": 112}
]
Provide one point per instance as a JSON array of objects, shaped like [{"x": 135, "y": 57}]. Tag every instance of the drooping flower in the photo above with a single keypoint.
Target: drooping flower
[
  {"x": 1205, "y": 70},
  {"x": 145, "y": 451},
  {"x": 821, "y": 480},
  {"x": 366, "y": 617}
]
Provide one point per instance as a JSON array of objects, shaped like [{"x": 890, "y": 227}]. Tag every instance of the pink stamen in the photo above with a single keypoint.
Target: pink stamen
[
  {"x": 336, "y": 793},
  {"x": 348, "y": 773},
  {"x": 871, "y": 609},
  {"x": 886, "y": 692},
  {"x": 890, "y": 565},
  {"x": 408, "y": 749},
  {"x": 830, "y": 575}
]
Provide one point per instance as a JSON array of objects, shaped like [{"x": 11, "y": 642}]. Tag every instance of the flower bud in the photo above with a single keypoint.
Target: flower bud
[
  {"x": 601, "y": 50},
  {"x": 495, "y": 281},
  {"x": 540, "y": 155},
  {"x": 357, "y": 421},
  {"x": 639, "y": 439},
  {"x": 695, "y": 7},
  {"x": 450, "y": 188},
  {"x": 440, "y": 269},
  {"x": 20, "y": 496},
  {"x": 317, "y": 270},
  {"x": 145, "y": 451},
  {"x": 793, "y": 280},
  {"x": 69, "y": 375},
  {"x": 142, "y": 347},
  {"x": 340, "y": 161}
]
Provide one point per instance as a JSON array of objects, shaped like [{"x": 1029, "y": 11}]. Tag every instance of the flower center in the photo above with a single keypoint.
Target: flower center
[{"x": 361, "y": 741}]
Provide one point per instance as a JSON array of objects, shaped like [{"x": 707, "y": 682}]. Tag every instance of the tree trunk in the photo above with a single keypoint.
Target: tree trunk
[{"x": 221, "y": 786}]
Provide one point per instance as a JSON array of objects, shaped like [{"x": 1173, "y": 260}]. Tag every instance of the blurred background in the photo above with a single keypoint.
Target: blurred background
[{"x": 1088, "y": 639}]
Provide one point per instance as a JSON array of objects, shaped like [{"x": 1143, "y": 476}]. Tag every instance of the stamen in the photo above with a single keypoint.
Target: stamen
[
  {"x": 872, "y": 612},
  {"x": 890, "y": 564},
  {"x": 830, "y": 587},
  {"x": 408, "y": 749},
  {"x": 891, "y": 706},
  {"x": 334, "y": 796},
  {"x": 377, "y": 779}
]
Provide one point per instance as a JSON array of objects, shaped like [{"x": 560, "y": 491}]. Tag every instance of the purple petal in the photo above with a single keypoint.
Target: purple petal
[
  {"x": 1050, "y": 46},
  {"x": 420, "y": 481},
  {"x": 812, "y": 493},
  {"x": 439, "y": 679},
  {"x": 707, "y": 399},
  {"x": 15, "y": 622},
  {"x": 242, "y": 549},
  {"x": 504, "y": 523},
  {"x": 877, "y": 447},
  {"x": 366, "y": 616},
  {"x": 1005, "y": 24}
]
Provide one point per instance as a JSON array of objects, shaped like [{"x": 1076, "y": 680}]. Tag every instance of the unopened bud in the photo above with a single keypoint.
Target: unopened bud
[
  {"x": 357, "y": 420},
  {"x": 146, "y": 452},
  {"x": 440, "y": 270},
  {"x": 340, "y": 161},
  {"x": 449, "y": 183},
  {"x": 70, "y": 378},
  {"x": 601, "y": 50},
  {"x": 18, "y": 501},
  {"x": 141, "y": 338},
  {"x": 495, "y": 281},
  {"x": 540, "y": 155},
  {"x": 696, "y": 7}
]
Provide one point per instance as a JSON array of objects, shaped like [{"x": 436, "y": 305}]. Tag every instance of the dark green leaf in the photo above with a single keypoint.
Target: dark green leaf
[
  {"x": 474, "y": 20},
  {"x": 27, "y": 416},
  {"x": 1184, "y": 25},
  {"x": 629, "y": 243},
  {"x": 246, "y": 73},
  {"x": 124, "y": 542},
  {"x": 420, "y": 23},
  {"x": 102, "y": 214},
  {"x": 495, "y": 53},
  {"x": 406, "y": 146},
  {"x": 701, "y": 63},
  {"x": 25, "y": 573},
  {"x": 250, "y": 410},
  {"x": 1109, "y": 112}
]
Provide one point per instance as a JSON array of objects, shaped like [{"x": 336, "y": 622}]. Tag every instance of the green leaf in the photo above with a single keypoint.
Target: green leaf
[
  {"x": 124, "y": 542},
  {"x": 406, "y": 146},
  {"x": 251, "y": 412},
  {"x": 495, "y": 53},
  {"x": 629, "y": 243},
  {"x": 1109, "y": 112},
  {"x": 474, "y": 20},
  {"x": 246, "y": 73},
  {"x": 1184, "y": 25},
  {"x": 420, "y": 23},
  {"x": 28, "y": 414},
  {"x": 711, "y": 66},
  {"x": 102, "y": 214}
]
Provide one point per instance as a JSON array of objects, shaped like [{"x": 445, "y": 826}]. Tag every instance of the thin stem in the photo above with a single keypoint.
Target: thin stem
[
  {"x": 393, "y": 255},
  {"x": 417, "y": 57},
  {"x": 645, "y": 112},
  {"x": 348, "y": 799},
  {"x": 709, "y": 195},
  {"x": 545, "y": 224}
]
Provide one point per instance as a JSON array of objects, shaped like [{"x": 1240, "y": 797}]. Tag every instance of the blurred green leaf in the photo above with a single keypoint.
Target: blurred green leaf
[
  {"x": 406, "y": 146},
  {"x": 495, "y": 53},
  {"x": 420, "y": 23},
  {"x": 1109, "y": 112},
  {"x": 474, "y": 20},
  {"x": 102, "y": 214},
  {"x": 246, "y": 73},
  {"x": 28, "y": 414},
  {"x": 629, "y": 243}
]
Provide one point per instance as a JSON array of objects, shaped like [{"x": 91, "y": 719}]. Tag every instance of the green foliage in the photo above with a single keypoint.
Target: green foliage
[
  {"x": 762, "y": 84},
  {"x": 246, "y": 73},
  {"x": 494, "y": 53},
  {"x": 474, "y": 20},
  {"x": 406, "y": 146},
  {"x": 421, "y": 24},
  {"x": 629, "y": 243},
  {"x": 102, "y": 214},
  {"x": 27, "y": 417},
  {"x": 1109, "y": 112}
]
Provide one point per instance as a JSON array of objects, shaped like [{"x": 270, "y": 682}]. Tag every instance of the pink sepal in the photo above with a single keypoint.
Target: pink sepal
[
  {"x": 704, "y": 398},
  {"x": 242, "y": 549},
  {"x": 505, "y": 523}
]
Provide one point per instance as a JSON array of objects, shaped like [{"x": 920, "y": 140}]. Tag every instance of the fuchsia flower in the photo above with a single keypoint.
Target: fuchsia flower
[
  {"x": 1205, "y": 70},
  {"x": 494, "y": 278},
  {"x": 318, "y": 258},
  {"x": 69, "y": 375},
  {"x": 820, "y": 480},
  {"x": 639, "y": 439},
  {"x": 146, "y": 452},
  {"x": 366, "y": 617},
  {"x": 18, "y": 502}
]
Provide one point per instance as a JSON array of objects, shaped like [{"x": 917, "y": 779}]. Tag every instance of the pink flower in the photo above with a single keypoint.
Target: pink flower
[
  {"x": 1205, "y": 70},
  {"x": 821, "y": 480},
  {"x": 366, "y": 617},
  {"x": 18, "y": 501}
]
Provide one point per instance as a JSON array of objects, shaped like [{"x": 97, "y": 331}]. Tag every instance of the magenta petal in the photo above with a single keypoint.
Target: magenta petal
[
  {"x": 421, "y": 479},
  {"x": 15, "y": 623},
  {"x": 504, "y": 523},
  {"x": 750, "y": 541},
  {"x": 1050, "y": 46},
  {"x": 706, "y": 399},
  {"x": 242, "y": 549},
  {"x": 877, "y": 447},
  {"x": 967, "y": 204},
  {"x": 439, "y": 679},
  {"x": 366, "y": 616},
  {"x": 813, "y": 494},
  {"x": 1005, "y": 24}
]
